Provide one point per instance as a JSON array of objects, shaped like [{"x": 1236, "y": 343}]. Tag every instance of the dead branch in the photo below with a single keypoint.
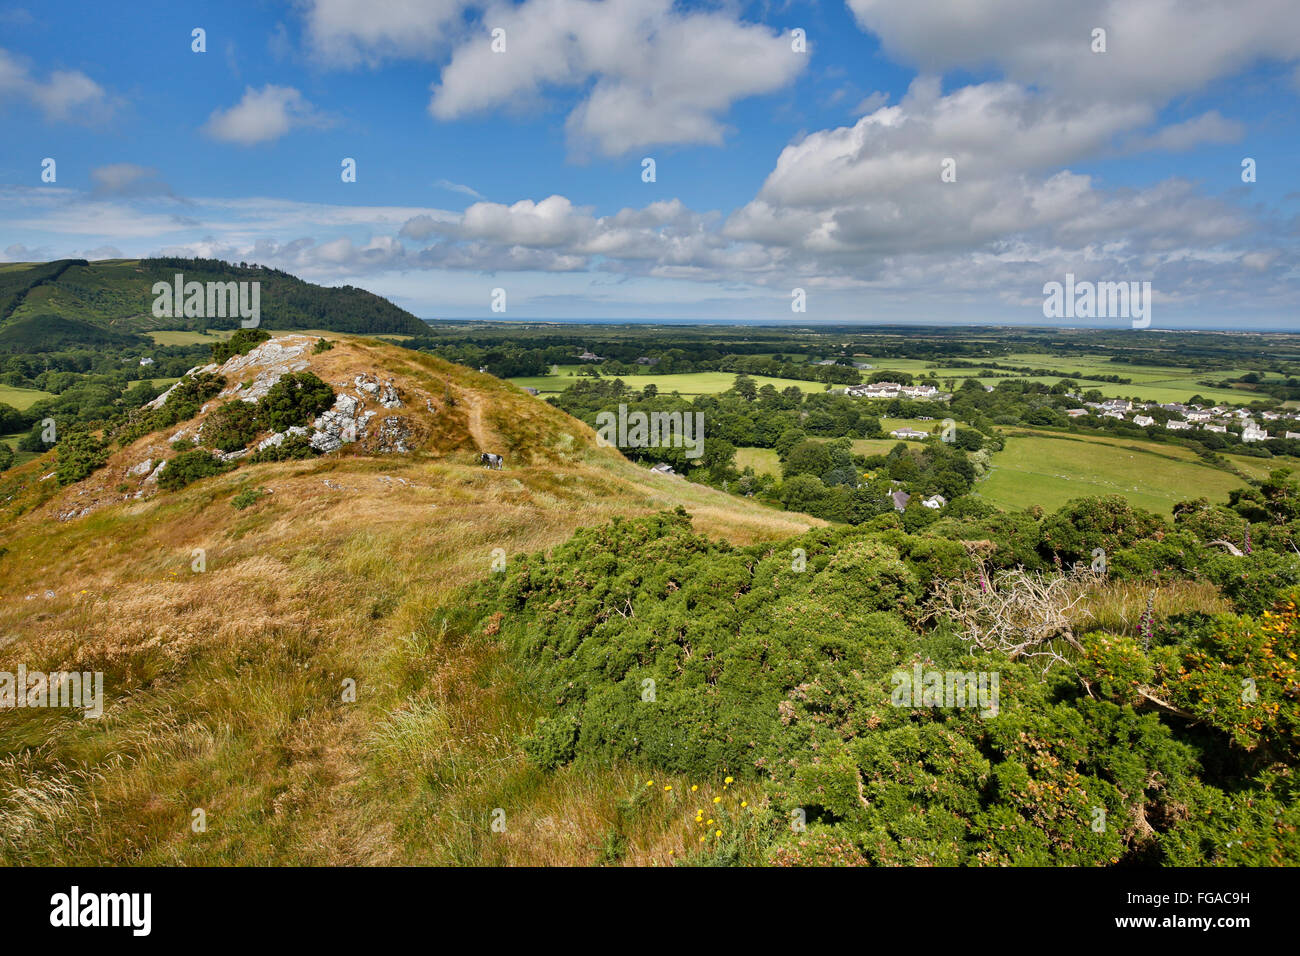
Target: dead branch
[
  {"x": 1167, "y": 707},
  {"x": 1231, "y": 548},
  {"x": 1020, "y": 613}
]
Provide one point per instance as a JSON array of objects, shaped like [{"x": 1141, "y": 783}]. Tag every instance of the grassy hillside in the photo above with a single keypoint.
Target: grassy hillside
[
  {"x": 114, "y": 296},
  {"x": 225, "y": 685}
]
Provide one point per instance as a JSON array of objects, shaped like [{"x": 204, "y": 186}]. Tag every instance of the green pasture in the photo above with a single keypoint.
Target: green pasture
[
  {"x": 22, "y": 398},
  {"x": 1049, "y": 471}
]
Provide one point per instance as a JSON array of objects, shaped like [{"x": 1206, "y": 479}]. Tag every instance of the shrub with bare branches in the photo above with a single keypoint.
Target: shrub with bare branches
[{"x": 1023, "y": 614}]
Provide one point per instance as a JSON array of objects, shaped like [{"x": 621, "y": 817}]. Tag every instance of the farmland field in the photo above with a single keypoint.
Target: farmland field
[
  {"x": 1260, "y": 467},
  {"x": 179, "y": 337},
  {"x": 764, "y": 461},
  {"x": 1039, "y": 470},
  {"x": 21, "y": 398},
  {"x": 1118, "y": 441},
  {"x": 874, "y": 446}
]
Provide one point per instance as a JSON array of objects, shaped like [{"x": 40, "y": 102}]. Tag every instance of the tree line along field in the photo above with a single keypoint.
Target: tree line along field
[
  {"x": 687, "y": 383},
  {"x": 1150, "y": 383}
]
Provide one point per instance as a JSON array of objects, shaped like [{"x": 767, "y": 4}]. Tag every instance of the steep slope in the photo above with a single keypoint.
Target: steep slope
[
  {"x": 116, "y": 295},
  {"x": 226, "y": 635}
]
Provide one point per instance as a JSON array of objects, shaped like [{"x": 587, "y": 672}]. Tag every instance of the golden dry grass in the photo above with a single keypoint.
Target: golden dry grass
[{"x": 1118, "y": 607}]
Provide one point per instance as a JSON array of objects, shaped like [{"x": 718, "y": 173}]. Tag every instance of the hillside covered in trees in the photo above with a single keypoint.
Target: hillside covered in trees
[{"x": 74, "y": 302}]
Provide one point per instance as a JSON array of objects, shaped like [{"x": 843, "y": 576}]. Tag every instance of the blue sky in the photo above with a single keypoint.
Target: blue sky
[{"x": 776, "y": 168}]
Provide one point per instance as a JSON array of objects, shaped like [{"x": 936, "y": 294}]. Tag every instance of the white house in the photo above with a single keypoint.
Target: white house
[
  {"x": 910, "y": 433},
  {"x": 918, "y": 391},
  {"x": 1253, "y": 432},
  {"x": 934, "y": 501},
  {"x": 1174, "y": 425},
  {"x": 1142, "y": 421}
]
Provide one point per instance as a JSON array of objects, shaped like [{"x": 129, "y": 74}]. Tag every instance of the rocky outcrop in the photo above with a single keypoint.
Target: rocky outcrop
[
  {"x": 341, "y": 425},
  {"x": 394, "y": 435},
  {"x": 274, "y": 359},
  {"x": 385, "y": 393},
  {"x": 161, "y": 400}
]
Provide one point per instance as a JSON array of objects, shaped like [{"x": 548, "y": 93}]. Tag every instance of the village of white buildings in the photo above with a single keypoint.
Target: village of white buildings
[{"x": 1215, "y": 418}]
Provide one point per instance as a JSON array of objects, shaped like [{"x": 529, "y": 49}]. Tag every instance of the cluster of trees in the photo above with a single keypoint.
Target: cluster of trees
[
  {"x": 826, "y": 480},
  {"x": 1177, "y": 745},
  {"x": 57, "y": 371},
  {"x": 89, "y": 388},
  {"x": 507, "y": 359},
  {"x": 241, "y": 343},
  {"x": 1027, "y": 370},
  {"x": 812, "y": 433},
  {"x": 744, "y": 415}
]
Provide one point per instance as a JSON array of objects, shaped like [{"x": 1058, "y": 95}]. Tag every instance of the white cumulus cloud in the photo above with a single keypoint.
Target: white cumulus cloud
[{"x": 262, "y": 115}]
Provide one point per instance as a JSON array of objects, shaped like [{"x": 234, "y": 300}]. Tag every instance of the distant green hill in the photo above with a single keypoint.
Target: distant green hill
[{"x": 112, "y": 300}]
